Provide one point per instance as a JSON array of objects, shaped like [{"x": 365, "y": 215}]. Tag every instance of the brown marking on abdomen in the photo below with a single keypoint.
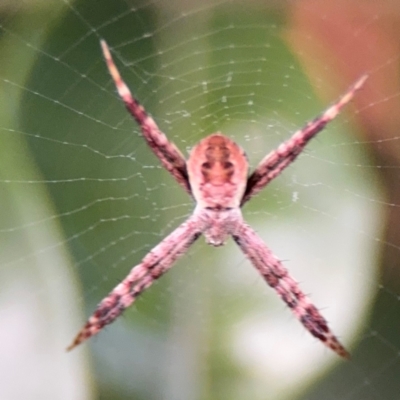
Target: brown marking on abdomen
[{"x": 217, "y": 169}]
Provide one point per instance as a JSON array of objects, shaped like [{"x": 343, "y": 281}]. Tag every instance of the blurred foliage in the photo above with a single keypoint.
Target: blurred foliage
[{"x": 198, "y": 68}]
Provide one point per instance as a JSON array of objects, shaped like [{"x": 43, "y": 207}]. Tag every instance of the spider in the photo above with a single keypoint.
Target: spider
[{"x": 216, "y": 176}]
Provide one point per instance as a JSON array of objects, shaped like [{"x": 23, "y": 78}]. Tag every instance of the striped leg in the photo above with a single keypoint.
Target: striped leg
[
  {"x": 288, "y": 290},
  {"x": 153, "y": 265},
  {"x": 169, "y": 155},
  {"x": 276, "y": 161}
]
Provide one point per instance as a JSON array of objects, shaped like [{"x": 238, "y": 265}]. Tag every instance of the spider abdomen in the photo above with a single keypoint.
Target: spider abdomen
[{"x": 217, "y": 169}]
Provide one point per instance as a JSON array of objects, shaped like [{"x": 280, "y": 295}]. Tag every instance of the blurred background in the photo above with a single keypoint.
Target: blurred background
[{"x": 83, "y": 199}]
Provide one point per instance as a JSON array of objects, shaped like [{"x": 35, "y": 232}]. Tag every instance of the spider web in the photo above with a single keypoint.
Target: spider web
[{"x": 83, "y": 199}]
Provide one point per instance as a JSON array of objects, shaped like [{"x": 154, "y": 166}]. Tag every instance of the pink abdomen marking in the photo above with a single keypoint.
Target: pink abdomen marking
[{"x": 217, "y": 170}]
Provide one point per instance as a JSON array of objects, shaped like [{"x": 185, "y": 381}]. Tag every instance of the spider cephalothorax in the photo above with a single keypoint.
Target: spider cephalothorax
[{"x": 216, "y": 176}]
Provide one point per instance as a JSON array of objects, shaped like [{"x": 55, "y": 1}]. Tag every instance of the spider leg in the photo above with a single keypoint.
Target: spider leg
[
  {"x": 169, "y": 155},
  {"x": 153, "y": 265},
  {"x": 277, "y": 276},
  {"x": 276, "y": 161}
]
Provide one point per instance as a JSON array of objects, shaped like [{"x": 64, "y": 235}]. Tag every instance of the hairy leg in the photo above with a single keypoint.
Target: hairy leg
[
  {"x": 288, "y": 289},
  {"x": 169, "y": 155},
  {"x": 276, "y": 161},
  {"x": 153, "y": 265}
]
